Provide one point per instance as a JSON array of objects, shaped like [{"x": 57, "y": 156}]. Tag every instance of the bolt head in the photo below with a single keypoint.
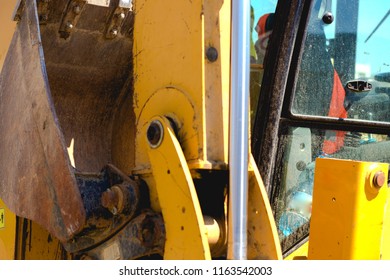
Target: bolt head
[
  {"x": 114, "y": 210},
  {"x": 109, "y": 199},
  {"x": 77, "y": 9},
  {"x": 43, "y": 17},
  {"x": 212, "y": 54},
  {"x": 379, "y": 179},
  {"x": 69, "y": 25},
  {"x": 301, "y": 165},
  {"x": 328, "y": 18},
  {"x": 114, "y": 32}
]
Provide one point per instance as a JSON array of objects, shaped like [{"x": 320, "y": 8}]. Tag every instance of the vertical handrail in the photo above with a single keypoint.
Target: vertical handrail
[{"x": 239, "y": 130}]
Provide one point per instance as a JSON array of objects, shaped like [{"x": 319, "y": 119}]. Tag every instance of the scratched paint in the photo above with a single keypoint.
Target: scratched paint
[{"x": 2, "y": 218}]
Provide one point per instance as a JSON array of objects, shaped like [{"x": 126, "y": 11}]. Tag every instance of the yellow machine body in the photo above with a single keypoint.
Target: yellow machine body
[
  {"x": 185, "y": 86},
  {"x": 349, "y": 210},
  {"x": 7, "y": 232},
  {"x": 168, "y": 128},
  {"x": 190, "y": 89}
]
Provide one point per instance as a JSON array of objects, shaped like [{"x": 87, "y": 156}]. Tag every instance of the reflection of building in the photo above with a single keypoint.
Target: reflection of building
[{"x": 362, "y": 71}]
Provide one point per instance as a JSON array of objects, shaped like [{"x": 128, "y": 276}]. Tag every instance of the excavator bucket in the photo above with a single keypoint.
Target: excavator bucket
[{"x": 59, "y": 88}]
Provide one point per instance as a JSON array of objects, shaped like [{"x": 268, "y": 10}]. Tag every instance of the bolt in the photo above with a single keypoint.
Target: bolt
[
  {"x": 122, "y": 16},
  {"x": 301, "y": 165},
  {"x": 155, "y": 134},
  {"x": 379, "y": 179},
  {"x": 147, "y": 232},
  {"x": 114, "y": 32},
  {"x": 109, "y": 199},
  {"x": 77, "y": 9},
  {"x": 69, "y": 25},
  {"x": 113, "y": 199},
  {"x": 43, "y": 17},
  {"x": 212, "y": 54},
  {"x": 328, "y": 18}
]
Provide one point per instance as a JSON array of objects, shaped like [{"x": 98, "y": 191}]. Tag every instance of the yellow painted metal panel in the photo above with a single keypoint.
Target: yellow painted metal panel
[
  {"x": 186, "y": 234},
  {"x": 300, "y": 253},
  {"x": 173, "y": 103},
  {"x": 348, "y": 210},
  {"x": 217, "y": 23},
  {"x": 385, "y": 249},
  {"x": 36, "y": 243},
  {"x": 174, "y": 78},
  {"x": 170, "y": 43},
  {"x": 168, "y": 53},
  {"x": 7, "y": 233},
  {"x": 263, "y": 240}
]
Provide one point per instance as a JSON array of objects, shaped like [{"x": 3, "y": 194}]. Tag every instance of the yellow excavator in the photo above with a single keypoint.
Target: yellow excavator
[{"x": 227, "y": 129}]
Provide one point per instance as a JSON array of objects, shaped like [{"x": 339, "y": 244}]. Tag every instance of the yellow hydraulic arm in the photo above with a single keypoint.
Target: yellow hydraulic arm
[
  {"x": 182, "y": 83},
  {"x": 179, "y": 84}
]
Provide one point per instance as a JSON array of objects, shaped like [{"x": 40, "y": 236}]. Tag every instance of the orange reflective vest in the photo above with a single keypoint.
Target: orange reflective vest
[{"x": 334, "y": 140}]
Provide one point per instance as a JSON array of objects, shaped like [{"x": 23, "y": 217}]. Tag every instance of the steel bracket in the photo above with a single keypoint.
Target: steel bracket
[
  {"x": 43, "y": 11},
  {"x": 71, "y": 17},
  {"x": 117, "y": 19}
]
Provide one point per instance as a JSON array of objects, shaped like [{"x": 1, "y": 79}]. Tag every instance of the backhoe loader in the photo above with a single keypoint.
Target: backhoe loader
[{"x": 227, "y": 129}]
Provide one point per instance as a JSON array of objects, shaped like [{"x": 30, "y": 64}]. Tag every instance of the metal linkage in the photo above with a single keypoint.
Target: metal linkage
[
  {"x": 111, "y": 199},
  {"x": 143, "y": 236}
]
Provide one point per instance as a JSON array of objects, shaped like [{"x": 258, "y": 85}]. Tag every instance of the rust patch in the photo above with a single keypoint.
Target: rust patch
[{"x": 36, "y": 179}]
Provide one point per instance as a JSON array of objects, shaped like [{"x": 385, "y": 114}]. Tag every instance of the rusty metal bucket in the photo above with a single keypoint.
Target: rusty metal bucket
[{"x": 67, "y": 73}]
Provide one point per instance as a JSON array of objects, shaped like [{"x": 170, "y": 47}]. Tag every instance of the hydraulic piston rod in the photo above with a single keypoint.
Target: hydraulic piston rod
[{"x": 239, "y": 132}]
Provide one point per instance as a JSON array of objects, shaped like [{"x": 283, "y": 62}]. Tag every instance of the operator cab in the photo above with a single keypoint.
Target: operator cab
[{"x": 324, "y": 93}]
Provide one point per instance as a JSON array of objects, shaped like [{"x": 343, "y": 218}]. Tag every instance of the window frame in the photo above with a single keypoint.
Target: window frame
[
  {"x": 349, "y": 124},
  {"x": 274, "y": 110}
]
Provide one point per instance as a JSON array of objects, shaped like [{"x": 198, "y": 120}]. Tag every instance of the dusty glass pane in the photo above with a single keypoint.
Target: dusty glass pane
[
  {"x": 299, "y": 147},
  {"x": 345, "y": 67}
]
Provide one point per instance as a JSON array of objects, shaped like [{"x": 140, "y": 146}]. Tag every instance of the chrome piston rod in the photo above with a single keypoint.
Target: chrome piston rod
[{"x": 239, "y": 131}]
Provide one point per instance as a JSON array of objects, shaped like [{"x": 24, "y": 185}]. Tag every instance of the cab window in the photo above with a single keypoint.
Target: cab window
[
  {"x": 345, "y": 67},
  {"x": 343, "y": 74}
]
